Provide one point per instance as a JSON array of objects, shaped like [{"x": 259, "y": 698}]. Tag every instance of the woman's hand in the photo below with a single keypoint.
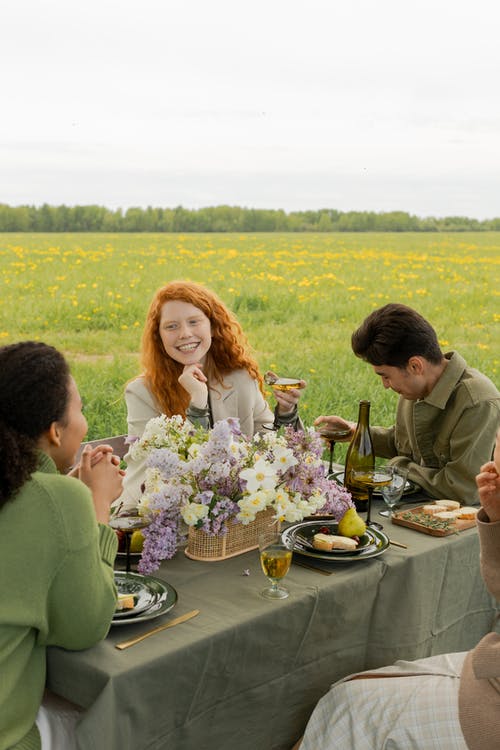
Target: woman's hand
[
  {"x": 96, "y": 454},
  {"x": 102, "y": 474},
  {"x": 336, "y": 423},
  {"x": 194, "y": 381},
  {"x": 288, "y": 400},
  {"x": 488, "y": 484}
]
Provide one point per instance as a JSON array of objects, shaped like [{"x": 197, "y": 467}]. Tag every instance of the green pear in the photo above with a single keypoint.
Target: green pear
[
  {"x": 136, "y": 541},
  {"x": 351, "y": 524}
]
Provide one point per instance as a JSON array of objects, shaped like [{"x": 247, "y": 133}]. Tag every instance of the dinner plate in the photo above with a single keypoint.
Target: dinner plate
[
  {"x": 152, "y": 597},
  {"x": 378, "y": 543},
  {"x": 303, "y": 534},
  {"x": 410, "y": 487}
]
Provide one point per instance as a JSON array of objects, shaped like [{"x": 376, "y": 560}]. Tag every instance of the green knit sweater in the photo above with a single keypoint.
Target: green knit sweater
[{"x": 56, "y": 589}]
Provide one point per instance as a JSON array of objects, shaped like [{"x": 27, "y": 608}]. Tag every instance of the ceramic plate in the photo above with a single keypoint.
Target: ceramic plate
[
  {"x": 302, "y": 536},
  {"x": 410, "y": 487},
  {"x": 378, "y": 543},
  {"x": 152, "y": 597}
]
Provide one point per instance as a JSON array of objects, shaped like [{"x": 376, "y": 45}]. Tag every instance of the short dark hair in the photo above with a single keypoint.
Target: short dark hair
[
  {"x": 393, "y": 334},
  {"x": 34, "y": 380}
]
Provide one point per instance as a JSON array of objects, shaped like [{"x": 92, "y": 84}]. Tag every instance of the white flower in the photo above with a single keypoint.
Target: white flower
[
  {"x": 283, "y": 459},
  {"x": 254, "y": 502},
  {"x": 192, "y": 512},
  {"x": 261, "y": 476},
  {"x": 245, "y": 517},
  {"x": 143, "y": 505},
  {"x": 153, "y": 480}
]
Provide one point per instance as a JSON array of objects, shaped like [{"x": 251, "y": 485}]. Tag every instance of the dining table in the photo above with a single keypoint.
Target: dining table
[{"x": 247, "y": 671}]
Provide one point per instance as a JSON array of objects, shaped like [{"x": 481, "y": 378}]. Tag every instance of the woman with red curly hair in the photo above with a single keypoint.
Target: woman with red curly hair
[{"x": 196, "y": 363}]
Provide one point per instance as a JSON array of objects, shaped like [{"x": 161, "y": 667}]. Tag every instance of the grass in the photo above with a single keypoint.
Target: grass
[{"x": 298, "y": 298}]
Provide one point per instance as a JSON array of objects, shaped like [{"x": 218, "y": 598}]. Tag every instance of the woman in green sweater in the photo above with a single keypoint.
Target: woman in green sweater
[{"x": 56, "y": 577}]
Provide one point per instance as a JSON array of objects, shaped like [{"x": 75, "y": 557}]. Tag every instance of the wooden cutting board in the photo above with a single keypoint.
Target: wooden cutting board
[{"x": 420, "y": 521}]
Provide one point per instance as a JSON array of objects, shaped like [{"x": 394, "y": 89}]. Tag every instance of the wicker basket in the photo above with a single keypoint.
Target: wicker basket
[{"x": 239, "y": 539}]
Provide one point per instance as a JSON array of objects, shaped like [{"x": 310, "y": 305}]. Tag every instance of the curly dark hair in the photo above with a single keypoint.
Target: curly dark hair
[
  {"x": 393, "y": 334},
  {"x": 34, "y": 379}
]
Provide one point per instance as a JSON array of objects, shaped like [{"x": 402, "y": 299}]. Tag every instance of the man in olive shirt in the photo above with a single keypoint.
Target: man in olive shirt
[{"x": 447, "y": 414}]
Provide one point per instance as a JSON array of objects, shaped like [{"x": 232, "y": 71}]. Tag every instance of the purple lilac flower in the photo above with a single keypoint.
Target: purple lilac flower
[
  {"x": 160, "y": 543},
  {"x": 166, "y": 461},
  {"x": 338, "y": 499},
  {"x": 222, "y": 511}
]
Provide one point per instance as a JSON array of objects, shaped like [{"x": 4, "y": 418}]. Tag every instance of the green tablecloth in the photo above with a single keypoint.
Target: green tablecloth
[{"x": 247, "y": 671}]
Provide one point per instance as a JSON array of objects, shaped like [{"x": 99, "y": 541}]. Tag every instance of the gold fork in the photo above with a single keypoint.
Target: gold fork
[{"x": 177, "y": 621}]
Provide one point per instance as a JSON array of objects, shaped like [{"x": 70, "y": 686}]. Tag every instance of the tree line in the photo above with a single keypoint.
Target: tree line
[{"x": 63, "y": 218}]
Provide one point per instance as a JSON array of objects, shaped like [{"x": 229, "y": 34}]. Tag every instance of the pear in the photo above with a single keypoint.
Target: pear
[
  {"x": 136, "y": 541},
  {"x": 351, "y": 524}
]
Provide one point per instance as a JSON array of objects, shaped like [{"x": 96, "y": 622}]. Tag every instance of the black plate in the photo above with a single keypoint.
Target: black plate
[
  {"x": 302, "y": 536},
  {"x": 378, "y": 544},
  {"x": 152, "y": 596}
]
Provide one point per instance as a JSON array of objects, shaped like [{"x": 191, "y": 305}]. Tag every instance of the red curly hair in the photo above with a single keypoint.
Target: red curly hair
[{"x": 228, "y": 350}]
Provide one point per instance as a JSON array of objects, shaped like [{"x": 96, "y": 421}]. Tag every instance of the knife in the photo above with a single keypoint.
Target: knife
[{"x": 176, "y": 621}]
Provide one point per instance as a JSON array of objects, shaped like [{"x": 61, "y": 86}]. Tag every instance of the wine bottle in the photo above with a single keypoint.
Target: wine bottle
[{"x": 360, "y": 455}]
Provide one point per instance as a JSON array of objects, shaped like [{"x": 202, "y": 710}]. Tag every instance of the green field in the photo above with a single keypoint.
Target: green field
[{"x": 298, "y": 297}]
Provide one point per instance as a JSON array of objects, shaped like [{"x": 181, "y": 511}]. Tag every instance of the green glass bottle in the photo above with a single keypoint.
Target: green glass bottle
[{"x": 360, "y": 455}]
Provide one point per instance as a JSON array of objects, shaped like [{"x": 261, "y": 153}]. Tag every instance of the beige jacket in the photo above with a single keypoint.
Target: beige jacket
[
  {"x": 479, "y": 696},
  {"x": 240, "y": 397},
  {"x": 444, "y": 438}
]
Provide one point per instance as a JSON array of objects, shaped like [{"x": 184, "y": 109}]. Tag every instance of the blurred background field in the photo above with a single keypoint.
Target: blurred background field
[{"x": 297, "y": 296}]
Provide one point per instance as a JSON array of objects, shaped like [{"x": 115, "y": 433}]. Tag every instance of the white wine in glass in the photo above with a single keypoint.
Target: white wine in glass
[
  {"x": 371, "y": 480},
  {"x": 275, "y": 559},
  {"x": 283, "y": 384}
]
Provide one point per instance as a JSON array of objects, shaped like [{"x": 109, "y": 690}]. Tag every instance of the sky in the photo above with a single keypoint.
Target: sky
[{"x": 291, "y": 104}]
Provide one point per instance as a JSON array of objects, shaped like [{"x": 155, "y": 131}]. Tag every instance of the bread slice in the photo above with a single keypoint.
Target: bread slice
[
  {"x": 448, "y": 504},
  {"x": 446, "y": 515},
  {"x": 323, "y": 542},
  {"x": 331, "y": 541},
  {"x": 431, "y": 510},
  {"x": 467, "y": 513},
  {"x": 125, "y": 601}
]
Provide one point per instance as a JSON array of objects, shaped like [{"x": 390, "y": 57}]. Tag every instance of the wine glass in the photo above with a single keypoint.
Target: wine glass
[
  {"x": 283, "y": 384},
  {"x": 331, "y": 434},
  {"x": 128, "y": 524},
  {"x": 393, "y": 492},
  {"x": 275, "y": 559},
  {"x": 372, "y": 479}
]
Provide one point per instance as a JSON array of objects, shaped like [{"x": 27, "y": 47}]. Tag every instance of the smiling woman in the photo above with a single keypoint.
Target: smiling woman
[{"x": 196, "y": 363}]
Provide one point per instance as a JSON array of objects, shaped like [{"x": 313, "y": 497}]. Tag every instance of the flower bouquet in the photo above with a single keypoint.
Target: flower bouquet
[{"x": 212, "y": 479}]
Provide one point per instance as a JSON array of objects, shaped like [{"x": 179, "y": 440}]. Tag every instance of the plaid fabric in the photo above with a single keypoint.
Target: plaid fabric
[{"x": 416, "y": 711}]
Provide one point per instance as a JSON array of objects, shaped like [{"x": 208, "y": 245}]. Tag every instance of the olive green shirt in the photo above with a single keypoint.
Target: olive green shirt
[
  {"x": 57, "y": 589},
  {"x": 444, "y": 438}
]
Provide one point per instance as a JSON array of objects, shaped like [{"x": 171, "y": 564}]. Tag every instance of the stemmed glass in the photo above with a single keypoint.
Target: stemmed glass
[
  {"x": 372, "y": 479},
  {"x": 331, "y": 435},
  {"x": 275, "y": 559},
  {"x": 393, "y": 492},
  {"x": 127, "y": 525},
  {"x": 282, "y": 384}
]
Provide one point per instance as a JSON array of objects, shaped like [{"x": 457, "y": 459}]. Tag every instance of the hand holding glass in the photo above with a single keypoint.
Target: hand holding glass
[
  {"x": 393, "y": 492},
  {"x": 275, "y": 559}
]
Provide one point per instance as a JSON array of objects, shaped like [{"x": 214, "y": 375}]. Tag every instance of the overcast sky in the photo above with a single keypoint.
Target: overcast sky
[{"x": 294, "y": 104}]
